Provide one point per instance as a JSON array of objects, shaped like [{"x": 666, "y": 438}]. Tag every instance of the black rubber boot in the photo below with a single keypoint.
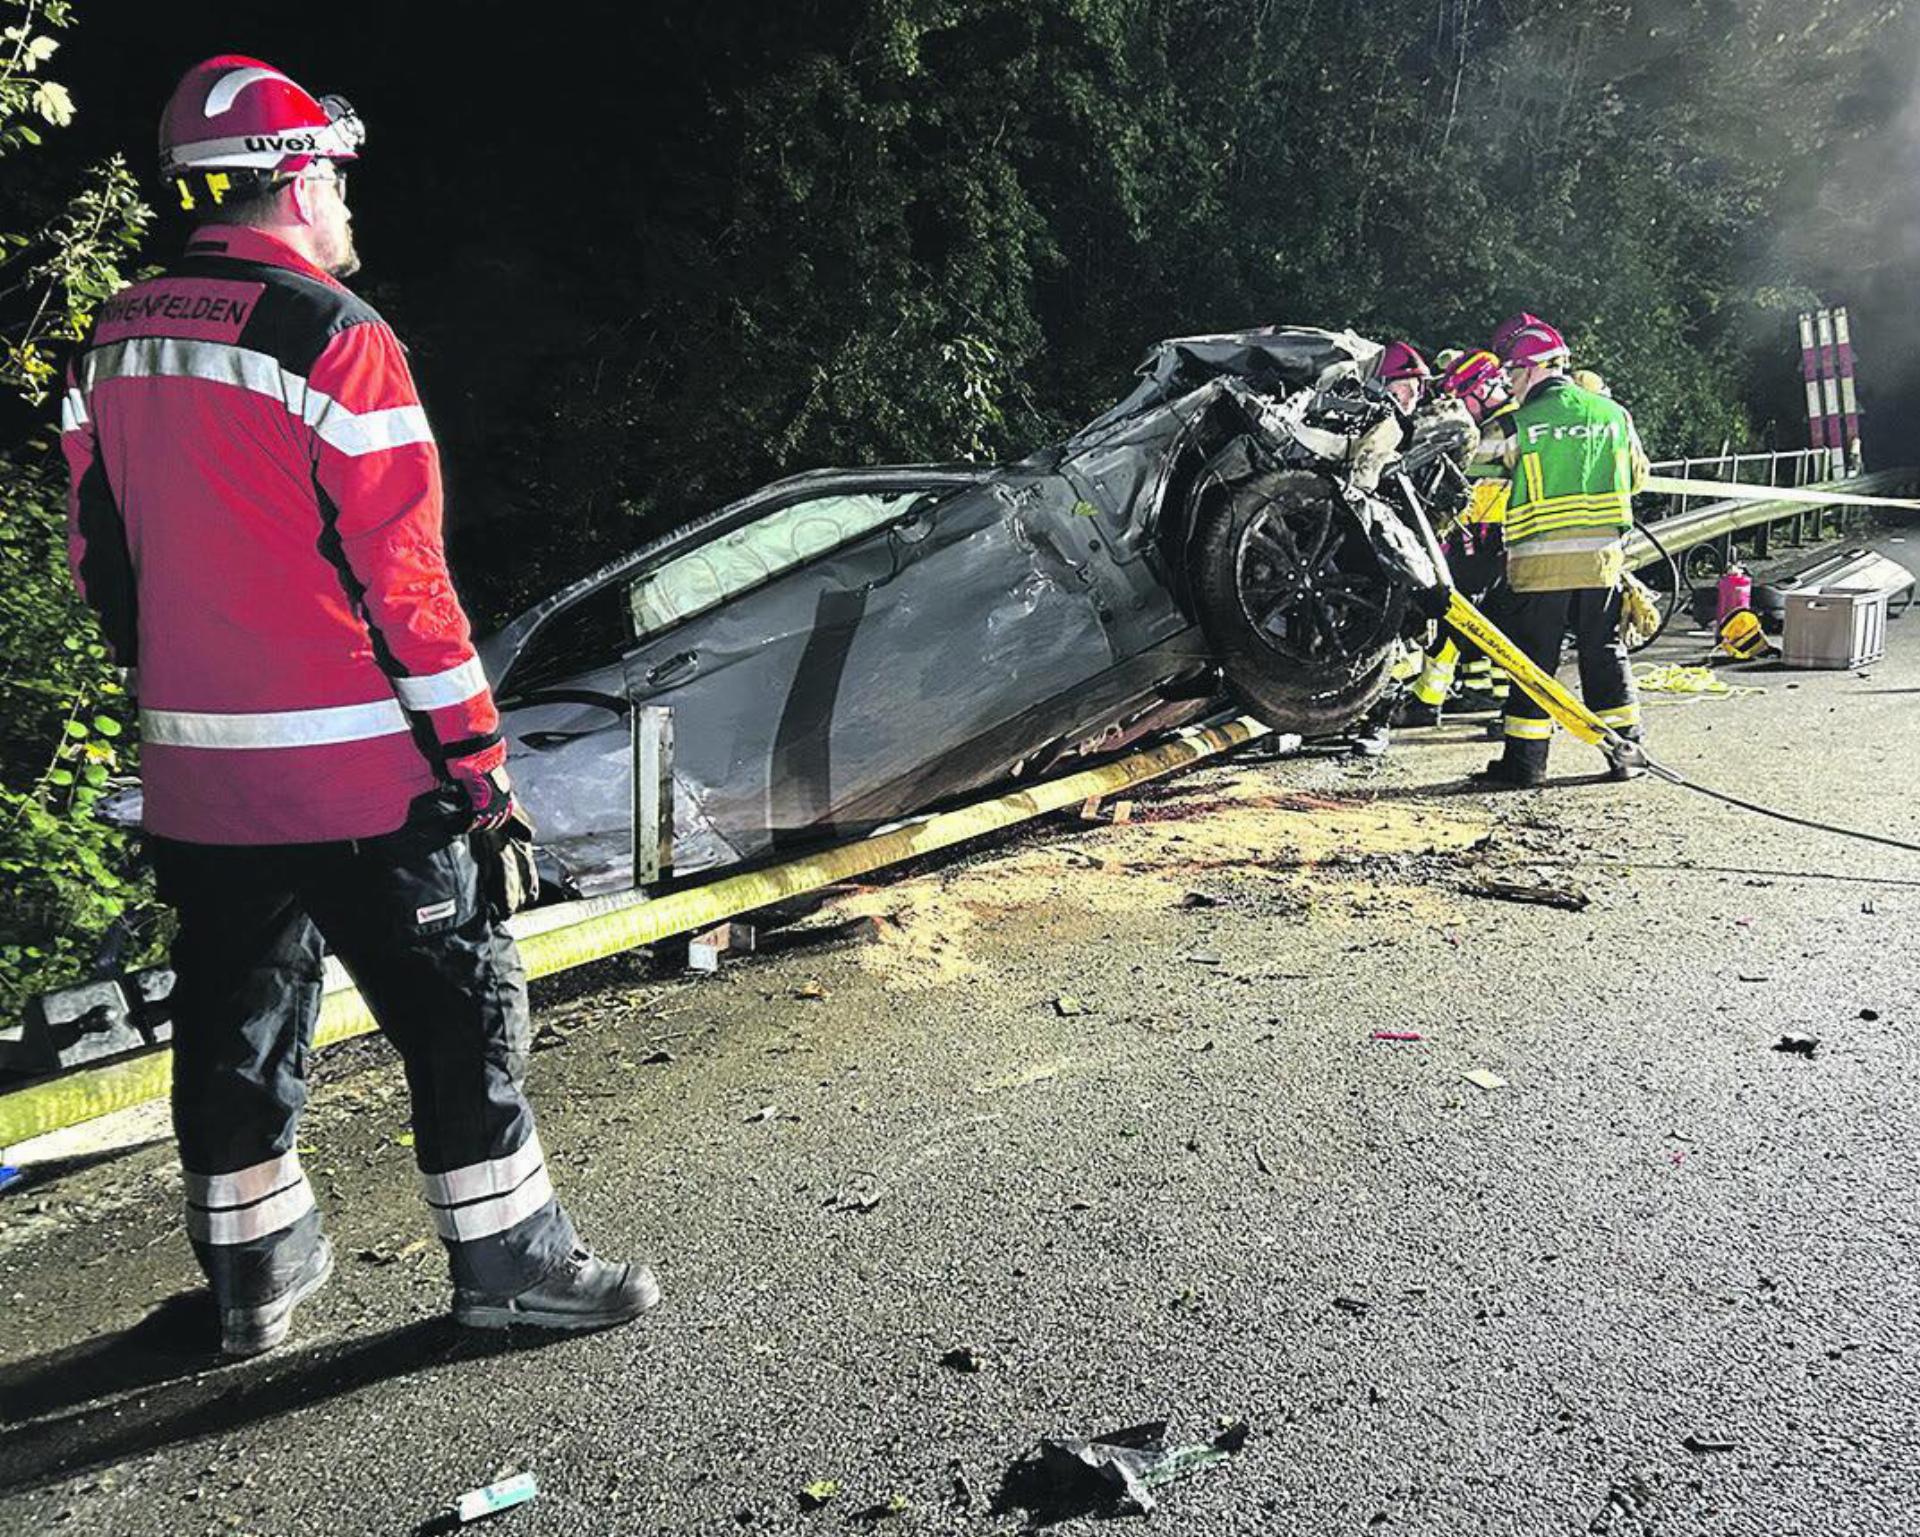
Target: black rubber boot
[
  {"x": 582, "y": 1292},
  {"x": 250, "y": 1331},
  {"x": 1416, "y": 712},
  {"x": 1512, "y": 773}
]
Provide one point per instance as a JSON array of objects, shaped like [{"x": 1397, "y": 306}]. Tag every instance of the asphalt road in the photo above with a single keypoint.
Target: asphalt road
[{"x": 1102, "y": 1104}]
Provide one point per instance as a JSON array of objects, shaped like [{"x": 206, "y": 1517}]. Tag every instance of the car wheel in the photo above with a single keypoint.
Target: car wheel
[{"x": 1301, "y": 613}]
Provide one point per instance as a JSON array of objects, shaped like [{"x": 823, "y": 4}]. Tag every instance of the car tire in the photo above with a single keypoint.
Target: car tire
[{"x": 1301, "y": 614}]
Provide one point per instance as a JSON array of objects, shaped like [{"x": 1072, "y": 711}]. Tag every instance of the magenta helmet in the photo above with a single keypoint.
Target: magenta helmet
[
  {"x": 1402, "y": 360},
  {"x": 1508, "y": 328},
  {"x": 1533, "y": 346}
]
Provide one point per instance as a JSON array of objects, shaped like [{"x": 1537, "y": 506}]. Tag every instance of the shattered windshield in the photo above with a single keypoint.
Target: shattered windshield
[{"x": 724, "y": 567}]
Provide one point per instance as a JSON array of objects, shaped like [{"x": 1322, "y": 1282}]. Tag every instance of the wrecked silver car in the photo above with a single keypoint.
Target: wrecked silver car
[{"x": 845, "y": 648}]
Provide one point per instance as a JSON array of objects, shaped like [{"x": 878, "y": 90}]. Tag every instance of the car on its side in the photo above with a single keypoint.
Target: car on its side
[{"x": 845, "y": 648}]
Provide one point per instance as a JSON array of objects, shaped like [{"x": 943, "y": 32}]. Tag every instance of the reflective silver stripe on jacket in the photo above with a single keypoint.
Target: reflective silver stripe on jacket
[
  {"x": 273, "y": 728},
  {"x": 172, "y": 357},
  {"x": 73, "y": 411},
  {"x": 437, "y": 690},
  {"x": 248, "y": 1204},
  {"x": 480, "y": 1200}
]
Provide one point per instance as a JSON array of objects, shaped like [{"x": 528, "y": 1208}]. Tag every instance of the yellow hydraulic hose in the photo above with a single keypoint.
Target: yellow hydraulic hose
[{"x": 557, "y": 939}]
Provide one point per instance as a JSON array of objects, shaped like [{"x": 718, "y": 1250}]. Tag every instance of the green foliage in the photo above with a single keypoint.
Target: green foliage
[
  {"x": 55, "y": 272},
  {"x": 64, "y": 716},
  {"x": 63, "y": 737},
  {"x": 899, "y": 230}
]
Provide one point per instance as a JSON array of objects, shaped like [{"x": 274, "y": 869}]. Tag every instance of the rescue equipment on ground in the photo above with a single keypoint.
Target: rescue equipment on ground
[
  {"x": 1735, "y": 591},
  {"x": 1741, "y": 637},
  {"x": 1677, "y": 678}
]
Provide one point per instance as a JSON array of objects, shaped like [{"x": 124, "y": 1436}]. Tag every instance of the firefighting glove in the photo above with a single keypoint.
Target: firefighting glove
[
  {"x": 1639, "y": 612},
  {"x": 488, "y": 790},
  {"x": 505, "y": 857}
]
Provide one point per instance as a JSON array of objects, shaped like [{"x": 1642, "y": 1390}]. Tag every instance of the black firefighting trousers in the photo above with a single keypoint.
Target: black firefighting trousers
[
  {"x": 1539, "y": 623},
  {"x": 406, "y": 915}
]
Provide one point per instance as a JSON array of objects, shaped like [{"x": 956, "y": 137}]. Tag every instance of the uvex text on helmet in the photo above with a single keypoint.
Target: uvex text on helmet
[{"x": 235, "y": 121}]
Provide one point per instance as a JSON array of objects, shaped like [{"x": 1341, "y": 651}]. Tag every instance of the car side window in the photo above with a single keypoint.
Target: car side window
[
  {"x": 590, "y": 634},
  {"x": 748, "y": 557}
]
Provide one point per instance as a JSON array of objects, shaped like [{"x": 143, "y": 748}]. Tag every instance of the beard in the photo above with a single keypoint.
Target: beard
[{"x": 346, "y": 264}]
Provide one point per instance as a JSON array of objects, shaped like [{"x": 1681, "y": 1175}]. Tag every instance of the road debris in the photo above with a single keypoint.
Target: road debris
[
  {"x": 963, "y": 1358},
  {"x": 490, "y": 1501},
  {"x": 1115, "y": 1473},
  {"x": 1701, "y": 1446},
  {"x": 658, "y": 1058},
  {"x": 1202, "y": 958},
  {"x": 822, "y": 1491},
  {"x": 764, "y": 1113},
  {"x": 1567, "y": 898},
  {"x": 381, "y": 1255},
  {"x": 811, "y": 990},
  {"x": 1797, "y": 1044},
  {"x": 1355, "y": 1306},
  {"x": 1193, "y": 899},
  {"x": 1870, "y": 1015},
  {"x": 1480, "y": 1078},
  {"x": 1396, "y": 1035},
  {"x": 1066, "y": 1005}
]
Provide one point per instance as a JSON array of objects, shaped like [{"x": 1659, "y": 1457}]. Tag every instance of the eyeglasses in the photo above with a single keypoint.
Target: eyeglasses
[{"x": 335, "y": 176}]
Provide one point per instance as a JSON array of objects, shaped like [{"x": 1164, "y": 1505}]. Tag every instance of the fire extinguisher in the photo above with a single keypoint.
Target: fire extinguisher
[{"x": 1735, "y": 593}]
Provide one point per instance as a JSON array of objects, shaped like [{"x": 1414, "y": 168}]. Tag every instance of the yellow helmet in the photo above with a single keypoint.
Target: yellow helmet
[{"x": 1741, "y": 636}]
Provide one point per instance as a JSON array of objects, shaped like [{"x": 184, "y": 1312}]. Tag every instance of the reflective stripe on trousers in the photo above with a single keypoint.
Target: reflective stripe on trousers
[{"x": 248, "y": 1204}]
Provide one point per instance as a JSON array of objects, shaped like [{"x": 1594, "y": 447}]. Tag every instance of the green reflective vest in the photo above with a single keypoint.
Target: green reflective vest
[{"x": 1573, "y": 479}]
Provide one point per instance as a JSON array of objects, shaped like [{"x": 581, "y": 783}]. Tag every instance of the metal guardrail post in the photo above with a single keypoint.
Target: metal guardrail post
[{"x": 652, "y": 795}]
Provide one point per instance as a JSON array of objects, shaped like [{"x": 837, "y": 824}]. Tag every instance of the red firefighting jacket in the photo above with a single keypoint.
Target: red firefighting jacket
[{"x": 254, "y": 513}]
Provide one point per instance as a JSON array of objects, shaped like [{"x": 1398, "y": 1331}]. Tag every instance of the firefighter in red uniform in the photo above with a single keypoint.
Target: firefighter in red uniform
[{"x": 255, "y": 516}]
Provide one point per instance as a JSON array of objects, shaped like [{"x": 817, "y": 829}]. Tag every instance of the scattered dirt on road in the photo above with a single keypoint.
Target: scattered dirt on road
[{"x": 1208, "y": 827}]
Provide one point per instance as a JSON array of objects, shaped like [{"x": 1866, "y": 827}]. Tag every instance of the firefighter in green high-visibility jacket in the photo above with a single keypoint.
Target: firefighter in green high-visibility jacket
[{"x": 1576, "y": 463}]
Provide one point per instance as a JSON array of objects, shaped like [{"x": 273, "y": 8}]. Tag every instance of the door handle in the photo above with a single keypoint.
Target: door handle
[{"x": 673, "y": 667}]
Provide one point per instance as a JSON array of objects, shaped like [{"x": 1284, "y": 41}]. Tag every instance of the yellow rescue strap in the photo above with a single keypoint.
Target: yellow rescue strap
[
  {"x": 1538, "y": 685},
  {"x": 1673, "y": 678}
]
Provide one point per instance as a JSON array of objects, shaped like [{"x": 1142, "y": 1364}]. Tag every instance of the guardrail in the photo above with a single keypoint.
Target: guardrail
[
  {"x": 1707, "y": 537},
  {"x": 559, "y": 938}
]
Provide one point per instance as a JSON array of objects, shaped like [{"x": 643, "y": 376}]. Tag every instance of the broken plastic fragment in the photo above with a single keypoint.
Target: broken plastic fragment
[
  {"x": 493, "y": 1499},
  {"x": 1119, "y": 1469},
  {"x": 1480, "y": 1078}
]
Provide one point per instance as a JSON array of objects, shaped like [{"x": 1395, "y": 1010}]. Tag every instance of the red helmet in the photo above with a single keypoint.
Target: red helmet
[
  {"x": 234, "y": 119},
  {"x": 1508, "y": 328},
  {"x": 1401, "y": 360},
  {"x": 1533, "y": 346},
  {"x": 1476, "y": 381}
]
